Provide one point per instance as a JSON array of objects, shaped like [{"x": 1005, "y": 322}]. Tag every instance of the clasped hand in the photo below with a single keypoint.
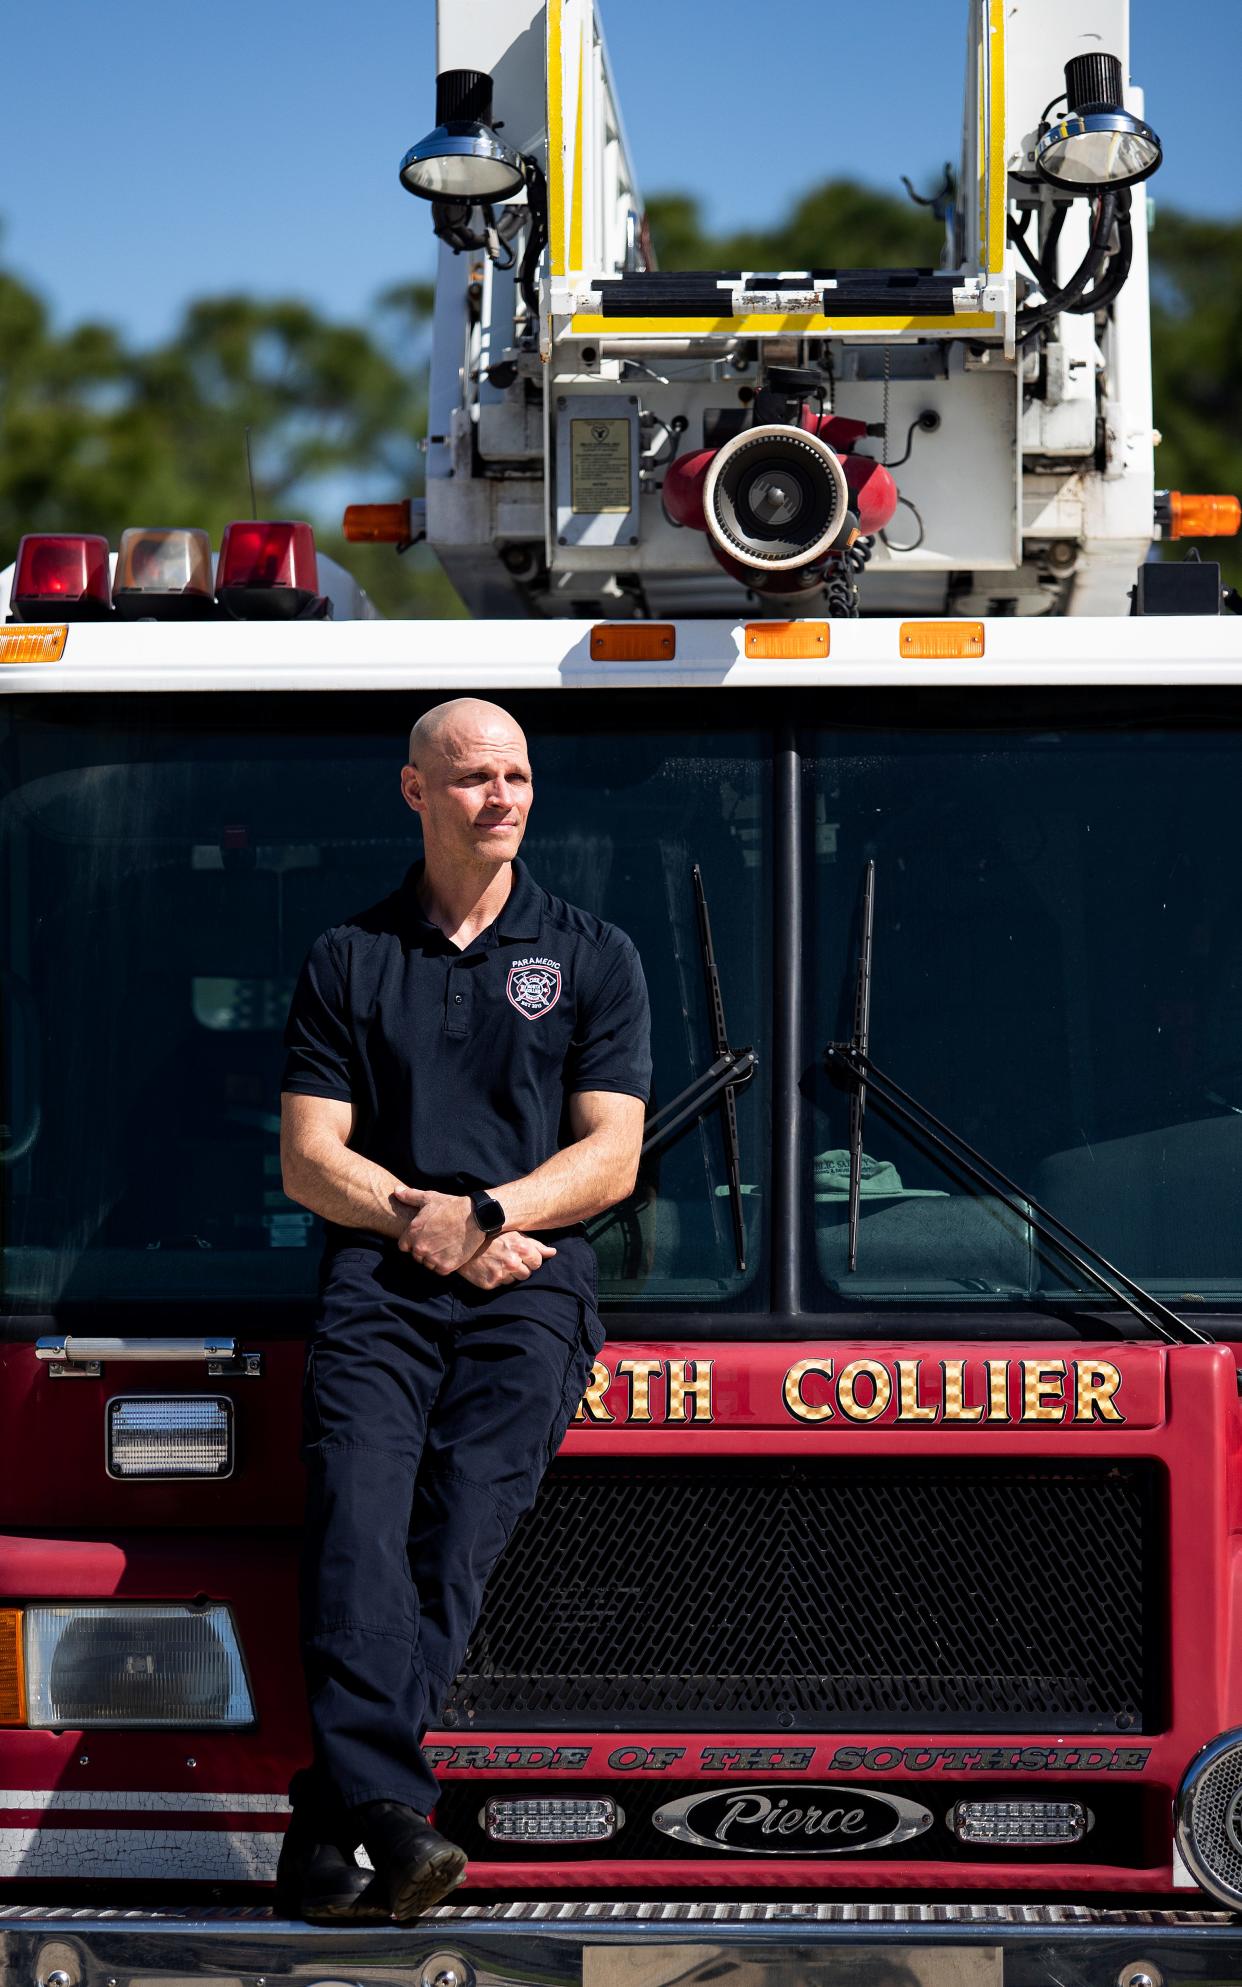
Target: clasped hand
[{"x": 444, "y": 1236}]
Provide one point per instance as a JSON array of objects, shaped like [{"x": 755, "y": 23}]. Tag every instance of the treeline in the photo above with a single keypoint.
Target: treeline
[{"x": 96, "y": 433}]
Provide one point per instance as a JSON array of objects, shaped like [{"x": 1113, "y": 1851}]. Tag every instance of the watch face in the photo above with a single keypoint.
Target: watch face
[{"x": 489, "y": 1214}]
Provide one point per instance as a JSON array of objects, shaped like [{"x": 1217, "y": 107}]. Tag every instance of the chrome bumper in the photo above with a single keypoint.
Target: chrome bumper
[{"x": 628, "y": 1944}]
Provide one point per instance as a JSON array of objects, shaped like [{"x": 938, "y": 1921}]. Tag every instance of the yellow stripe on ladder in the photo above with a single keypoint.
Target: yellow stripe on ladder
[{"x": 575, "y": 212}]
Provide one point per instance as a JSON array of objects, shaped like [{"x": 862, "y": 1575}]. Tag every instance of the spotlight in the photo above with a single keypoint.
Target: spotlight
[
  {"x": 463, "y": 159},
  {"x": 1096, "y": 143}
]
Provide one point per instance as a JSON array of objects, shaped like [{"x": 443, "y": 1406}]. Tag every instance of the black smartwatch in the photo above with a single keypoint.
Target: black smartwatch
[{"x": 489, "y": 1214}]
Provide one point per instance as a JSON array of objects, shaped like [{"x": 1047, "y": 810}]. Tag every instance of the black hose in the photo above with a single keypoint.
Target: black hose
[
  {"x": 1114, "y": 274},
  {"x": 1017, "y": 236},
  {"x": 1048, "y": 255},
  {"x": 1105, "y": 290},
  {"x": 537, "y": 239},
  {"x": 450, "y": 220},
  {"x": 1032, "y": 319}
]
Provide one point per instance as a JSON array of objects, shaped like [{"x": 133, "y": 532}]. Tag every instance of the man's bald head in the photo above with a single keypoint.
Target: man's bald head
[
  {"x": 469, "y": 780},
  {"x": 454, "y": 723}
]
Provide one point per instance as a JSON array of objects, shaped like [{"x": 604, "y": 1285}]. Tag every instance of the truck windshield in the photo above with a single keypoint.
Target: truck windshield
[
  {"x": 1057, "y": 971},
  {"x": 168, "y": 860},
  {"x": 1057, "y": 974}
]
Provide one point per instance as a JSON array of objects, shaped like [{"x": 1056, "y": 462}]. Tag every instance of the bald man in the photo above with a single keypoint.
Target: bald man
[{"x": 465, "y": 1083}]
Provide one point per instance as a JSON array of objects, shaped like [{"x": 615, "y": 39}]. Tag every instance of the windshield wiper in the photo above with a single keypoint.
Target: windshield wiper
[
  {"x": 726, "y": 1074},
  {"x": 861, "y": 1044},
  {"x": 854, "y": 1058}
]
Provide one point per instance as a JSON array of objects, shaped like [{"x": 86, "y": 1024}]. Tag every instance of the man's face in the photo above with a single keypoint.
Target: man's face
[{"x": 473, "y": 790}]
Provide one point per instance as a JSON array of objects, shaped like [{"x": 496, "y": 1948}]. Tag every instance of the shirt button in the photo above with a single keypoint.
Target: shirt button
[{"x": 457, "y": 1000}]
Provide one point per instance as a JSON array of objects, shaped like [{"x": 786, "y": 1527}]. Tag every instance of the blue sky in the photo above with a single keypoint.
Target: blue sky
[{"x": 150, "y": 154}]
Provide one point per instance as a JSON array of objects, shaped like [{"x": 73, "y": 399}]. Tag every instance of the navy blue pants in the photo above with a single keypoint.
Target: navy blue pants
[{"x": 430, "y": 1412}]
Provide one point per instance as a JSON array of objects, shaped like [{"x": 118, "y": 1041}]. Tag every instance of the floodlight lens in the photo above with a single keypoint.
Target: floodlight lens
[
  {"x": 462, "y": 162},
  {"x": 1086, "y": 149}
]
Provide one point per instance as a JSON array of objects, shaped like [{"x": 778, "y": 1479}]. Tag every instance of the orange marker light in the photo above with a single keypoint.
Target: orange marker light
[
  {"x": 377, "y": 524},
  {"x": 929, "y": 641},
  {"x": 1203, "y": 517},
  {"x": 32, "y": 644},
  {"x": 633, "y": 641},
  {"x": 12, "y": 1668},
  {"x": 792, "y": 641}
]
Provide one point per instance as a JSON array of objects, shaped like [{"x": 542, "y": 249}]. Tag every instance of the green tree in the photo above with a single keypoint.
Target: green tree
[
  {"x": 95, "y": 436},
  {"x": 1196, "y": 336},
  {"x": 839, "y": 225}
]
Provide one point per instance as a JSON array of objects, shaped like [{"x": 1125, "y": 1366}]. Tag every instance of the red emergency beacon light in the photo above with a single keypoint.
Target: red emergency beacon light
[
  {"x": 268, "y": 571},
  {"x": 62, "y": 577}
]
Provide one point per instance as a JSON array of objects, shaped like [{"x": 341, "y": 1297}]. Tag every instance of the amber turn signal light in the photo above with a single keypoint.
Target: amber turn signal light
[
  {"x": 633, "y": 641},
  {"x": 377, "y": 524},
  {"x": 928, "y": 641},
  {"x": 792, "y": 641},
  {"x": 32, "y": 644},
  {"x": 1202, "y": 517},
  {"x": 12, "y": 1668}
]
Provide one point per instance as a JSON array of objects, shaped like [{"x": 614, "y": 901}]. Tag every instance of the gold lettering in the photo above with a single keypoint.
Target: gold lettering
[
  {"x": 699, "y": 1390},
  {"x": 910, "y": 1408},
  {"x": 1042, "y": 1398},
  {"x": 1096, "y": 1385},
  {"x": 795, "y": 1400},
  {"x": 880, "y": 1380},
  {"x": 955, "y": 1408},
  {"x": 593, "y": 1406},
  {"x": 998, "y": 1389},
  {"x": 639, "y": 1373}
]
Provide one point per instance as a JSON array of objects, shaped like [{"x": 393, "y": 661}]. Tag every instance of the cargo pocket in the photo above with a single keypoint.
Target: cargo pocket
[
  {"x": 312, "y": 1427},
  {"x": 594, "y": 1328},
  {"x": 589, "y": 1341}
]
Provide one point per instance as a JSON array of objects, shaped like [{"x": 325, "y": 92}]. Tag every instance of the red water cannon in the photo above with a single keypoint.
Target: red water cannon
[{"x": 785, "y": 497}]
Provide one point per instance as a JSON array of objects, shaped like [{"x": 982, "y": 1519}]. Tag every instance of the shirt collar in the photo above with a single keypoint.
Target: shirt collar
[
  {"x": 522, "y": 915},
  {"x": 520, "y": 918}
]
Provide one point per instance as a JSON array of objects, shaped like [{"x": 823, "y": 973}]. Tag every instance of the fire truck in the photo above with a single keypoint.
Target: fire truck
[{"x": 880, "y": 1619}]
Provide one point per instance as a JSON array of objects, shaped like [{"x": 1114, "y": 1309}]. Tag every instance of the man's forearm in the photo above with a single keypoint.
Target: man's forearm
[
  {"x": 341, "y": 1186},
  {"x": 581, "y": 1180}
]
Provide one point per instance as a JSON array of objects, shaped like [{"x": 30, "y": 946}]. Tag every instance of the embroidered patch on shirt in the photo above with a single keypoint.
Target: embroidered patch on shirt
[{"x": 534, "y": 986}]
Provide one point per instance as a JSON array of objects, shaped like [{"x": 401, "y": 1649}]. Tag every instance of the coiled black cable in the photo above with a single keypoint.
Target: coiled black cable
[
  {"x": 1113, "y": 275},
  {"x": 1033, "y": 318},
  {"x": 537, "y": 239}
]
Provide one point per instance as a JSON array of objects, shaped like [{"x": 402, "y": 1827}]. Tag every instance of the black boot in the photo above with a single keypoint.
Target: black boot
[
  {"x": 317, "y": 1876},
  {"x": 415, "y": 1866}
]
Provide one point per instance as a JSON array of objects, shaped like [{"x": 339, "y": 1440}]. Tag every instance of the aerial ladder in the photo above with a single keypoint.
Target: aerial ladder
[{"x": 975, "y": 439}]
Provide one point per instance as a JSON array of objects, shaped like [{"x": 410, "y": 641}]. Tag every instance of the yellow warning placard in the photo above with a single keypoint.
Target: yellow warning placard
[{"x": 600, "y": 465}]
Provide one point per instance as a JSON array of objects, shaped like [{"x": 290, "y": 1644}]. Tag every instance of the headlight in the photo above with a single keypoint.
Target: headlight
[
  {"x": 1209, "y": 1818},
  {"x": 135, "y": 1666}
]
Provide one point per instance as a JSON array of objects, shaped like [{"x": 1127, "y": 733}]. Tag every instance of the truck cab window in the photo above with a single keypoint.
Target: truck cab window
[
  {"x": 168, "y": 864},
  {"x": 1057, "y": 974}
]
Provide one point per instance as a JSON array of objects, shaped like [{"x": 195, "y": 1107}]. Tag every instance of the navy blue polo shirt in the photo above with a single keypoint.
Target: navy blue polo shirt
[{"x": 459, "y": 1064}]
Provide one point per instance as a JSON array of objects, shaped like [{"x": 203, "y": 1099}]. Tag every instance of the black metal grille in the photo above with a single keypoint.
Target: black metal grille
[{"x": 858, "y": 1596}]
